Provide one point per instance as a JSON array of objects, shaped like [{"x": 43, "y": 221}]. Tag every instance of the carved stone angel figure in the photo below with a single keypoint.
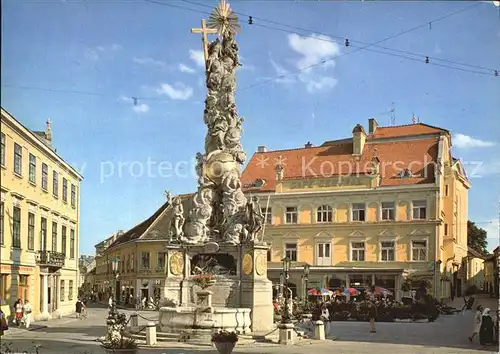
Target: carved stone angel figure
[
  {"x": 178, "y": 218},
  {"x": 255, "y": 219},
  {"x": 201, "y": 212}
]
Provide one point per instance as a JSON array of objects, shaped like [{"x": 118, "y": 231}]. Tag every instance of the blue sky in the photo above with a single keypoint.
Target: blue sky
[{"x": 89, "y": 58}]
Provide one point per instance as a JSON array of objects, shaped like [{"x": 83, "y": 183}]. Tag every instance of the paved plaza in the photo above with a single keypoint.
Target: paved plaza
[{"x": 447, "y": 335}]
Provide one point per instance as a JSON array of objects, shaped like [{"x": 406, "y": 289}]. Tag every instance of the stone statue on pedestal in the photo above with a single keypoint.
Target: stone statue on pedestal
[{"x": 219, "y": 210}]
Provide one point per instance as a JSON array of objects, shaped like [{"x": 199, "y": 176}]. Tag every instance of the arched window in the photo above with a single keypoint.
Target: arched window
[{"x": 324, "y": 214}]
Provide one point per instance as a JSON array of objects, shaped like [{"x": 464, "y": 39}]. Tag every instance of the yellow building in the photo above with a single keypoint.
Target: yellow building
[
  {"x": 475, "y": 269},
  {"x": 140, "y": 257},
  {"x": 39, "y": 226},
  {"x": 374, "y": 208},
  {"x": 491, "y": 266}
]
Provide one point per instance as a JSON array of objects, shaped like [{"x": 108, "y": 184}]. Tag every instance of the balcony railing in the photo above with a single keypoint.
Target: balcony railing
[{"x": 50, "y": 259}]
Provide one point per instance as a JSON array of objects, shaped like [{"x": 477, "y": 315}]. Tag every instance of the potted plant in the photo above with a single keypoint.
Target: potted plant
[
  {"x": 224, "y": 341},
  {"x": 117, "y": 340}
]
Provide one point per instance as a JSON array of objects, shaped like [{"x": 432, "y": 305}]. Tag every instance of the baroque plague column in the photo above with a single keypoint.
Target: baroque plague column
[{"x": 220, "y": 224}]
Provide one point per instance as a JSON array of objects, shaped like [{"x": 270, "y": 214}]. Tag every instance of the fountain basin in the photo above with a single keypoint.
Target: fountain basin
[{"x": 180, "y": 319}]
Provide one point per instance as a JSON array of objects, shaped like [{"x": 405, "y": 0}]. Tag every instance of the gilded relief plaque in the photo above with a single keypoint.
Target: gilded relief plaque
[
  {"x": 261, "y": 265},
  {"x": 176, "y": 263},
  {"x": 247, "y": 264}
]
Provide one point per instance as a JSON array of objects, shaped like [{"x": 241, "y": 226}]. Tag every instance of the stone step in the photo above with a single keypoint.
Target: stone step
[{"x": 179, "y": 337}]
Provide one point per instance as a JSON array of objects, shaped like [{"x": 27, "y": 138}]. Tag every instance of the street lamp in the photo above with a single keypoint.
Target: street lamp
[
  {"x": 115, "y": 263},
  {"x": 286, "y": 268},
  {"x": 307, "y": 269}
]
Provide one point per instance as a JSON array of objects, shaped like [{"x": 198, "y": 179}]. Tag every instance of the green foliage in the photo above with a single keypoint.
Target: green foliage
[
  {"x": 123, "y": 340},
  {"x": 477, "y": 238}
]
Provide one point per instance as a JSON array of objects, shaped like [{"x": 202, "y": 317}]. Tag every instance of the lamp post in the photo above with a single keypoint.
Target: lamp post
[
  {"x": 307, "y": 268},
  {"x": 286, "y": 268},
  {"x": 437, "y": 264},
  {"x": 115, "y": 263}
]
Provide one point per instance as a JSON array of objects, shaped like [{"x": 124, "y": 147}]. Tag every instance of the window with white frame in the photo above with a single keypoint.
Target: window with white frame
[
  {"x": 419, "y": 209},
  {"x": 291, "y": 251},
  {"x": 324, "y": 214},
  {"x": 291, "y": 215},
  {"x": 387, "y": 251},
  {"x": 32, "y": 169},
  {"x": 357, "y": 251},
  {"x": 358, "y": 212},
  {"x": 18, "y": 159},
  {"x": 63, "y": 295},
  {"x": 145, "y": 260},
  {"x": 70, "y": 290},
  {"x": 268, "y": 215},
  {"x": 419, "y": 250},
  {"x": 388, "y": 210},
  {"x": 324, "y": 253}
]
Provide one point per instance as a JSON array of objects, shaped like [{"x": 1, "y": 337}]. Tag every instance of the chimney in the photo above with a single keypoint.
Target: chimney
[
  {"x": 262, "y": 148},
  {"x": 358, "y": 139},
  {"x": 48, "y": 133},
  {"x": 372, "y": 125},
  {"x": 308, "y": 145}
]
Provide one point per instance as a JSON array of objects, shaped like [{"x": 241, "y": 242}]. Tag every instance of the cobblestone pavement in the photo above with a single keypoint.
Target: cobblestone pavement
[{"x": 447, "y": 335}]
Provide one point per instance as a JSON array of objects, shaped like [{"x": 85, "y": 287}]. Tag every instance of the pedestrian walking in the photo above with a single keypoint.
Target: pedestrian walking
[
  {"x": 110, "y": 302},
  {"x": 138, "y": 302},
  {"x": 372, "y": 308},
  {"x": 78, "y": 308},
  {"x": 486, "y": 334},
  {"x": 18, "y": 307},
  {"x": 3, "y": 323},
  {"x": 325, "y": 317},
  {"x": 478, "y": 319},
  {"x": 27, "y": 310}
]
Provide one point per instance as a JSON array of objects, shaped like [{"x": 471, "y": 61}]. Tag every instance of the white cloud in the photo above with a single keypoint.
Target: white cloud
[
  {"x": 313, "y": 49},
  {"x": 314, "y": 61},
  {"x": 98, "y": 52},
  {"x": 198, "y": 57},
  {"x": 178, "y": 91},
  {"x": 150, "y": 62},
  {"x": 465, "y": 141},
  {"x": 320, "y": 83},
  {"x": 186, "y": 69},
  {"x": 141, "y": 108}
]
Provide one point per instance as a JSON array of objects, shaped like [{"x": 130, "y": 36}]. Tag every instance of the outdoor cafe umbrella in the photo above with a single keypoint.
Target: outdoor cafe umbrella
[
  {"x": 382, "y": 291},
  {"x": 351, "y": 291},
  {"x": 319, "y": 292}
]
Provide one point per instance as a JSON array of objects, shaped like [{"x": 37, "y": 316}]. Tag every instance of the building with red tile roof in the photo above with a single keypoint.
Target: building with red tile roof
[{"x": 373, "y": 208}]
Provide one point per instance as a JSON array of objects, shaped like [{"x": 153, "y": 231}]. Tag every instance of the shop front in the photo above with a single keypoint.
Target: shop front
[
  {"x": 339, "y": 278},
  {"x": 17, "y": 282}
]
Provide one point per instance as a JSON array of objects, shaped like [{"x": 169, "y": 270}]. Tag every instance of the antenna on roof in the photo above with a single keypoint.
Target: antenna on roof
[
  {"x": 393, "y": 114},
  {"x": 414, "y": 119}
]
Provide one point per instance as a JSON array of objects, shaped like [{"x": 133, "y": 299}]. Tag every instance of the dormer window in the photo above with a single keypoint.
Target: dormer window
[
  {"x": 258, "y": 183},
  {"x": 405, "y": 173}
]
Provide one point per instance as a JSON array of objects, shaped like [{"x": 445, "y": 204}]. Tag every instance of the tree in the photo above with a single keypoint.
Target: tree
[{"x": 476, "y": 237}]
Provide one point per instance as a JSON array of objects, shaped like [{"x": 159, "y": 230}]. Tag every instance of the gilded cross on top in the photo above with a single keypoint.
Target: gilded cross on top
[{"x": 222, "y": 21}]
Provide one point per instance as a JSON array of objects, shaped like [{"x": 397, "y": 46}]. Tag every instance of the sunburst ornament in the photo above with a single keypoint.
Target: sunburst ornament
[{"x": 224, "y": 20}]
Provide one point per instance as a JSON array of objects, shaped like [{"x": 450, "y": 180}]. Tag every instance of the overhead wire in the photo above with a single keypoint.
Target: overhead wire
[
  {"x": 428, "y": 59},
  {"x": 417, "y": 58}
]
